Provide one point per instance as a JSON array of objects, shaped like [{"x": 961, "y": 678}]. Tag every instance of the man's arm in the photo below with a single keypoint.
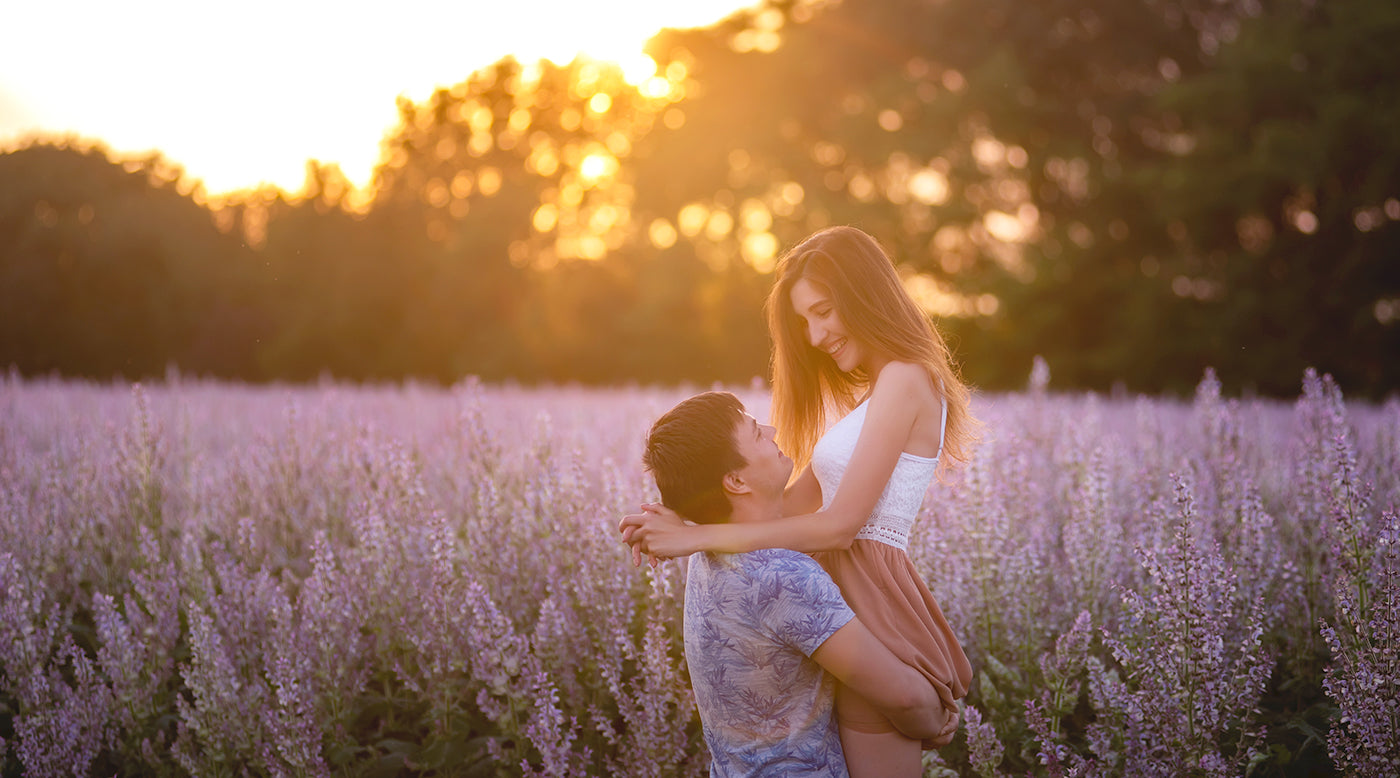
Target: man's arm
[{"x": 860, "y": 661}]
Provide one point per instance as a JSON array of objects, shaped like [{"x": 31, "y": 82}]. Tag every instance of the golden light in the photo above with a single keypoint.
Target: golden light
[
  {"x": 480, "y": 143},
  {"x": 765, "y": 36},
  {"x": 938, "y": 300},
  {"x": 570, "y": 119},
  {"x": 618, "y": 144},
  {"x": 755, "y": 216},
  {"x": 692, "y": 218},
  {"x": 637, "y": 68},
  {"x": 596, "y": 166},
  {"x": 488, "y": 181},
  {"x": 890, "y": 120},
  {"x": 760, "y": 249},
  {"x": 862, "y": 187},
  {"x": 570, "y": 194},
  {"x": 929, "y": 295},
  {"x": 1004, "y": 226},
  {"x": 591, "y": 247},
  {"x": 662, "y": 234},
  {"x": 289, "y": 100},
  {"x": 436, "y": 193},
  {"x": 929, "y": 187},
  {"x": 544, "y": 161},
  {"x": 600, "y": 102},
  {"x": 989, "y": 153},
  {"x": 719, "y": 225},
  {"x": 656, "y": 87},
  {"x": 546, "y": 216},
  {"x": 604, "y": 218}
]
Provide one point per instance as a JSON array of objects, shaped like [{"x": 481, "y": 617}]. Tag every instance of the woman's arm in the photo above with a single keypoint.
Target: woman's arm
[{"x": 889, "y": 418}]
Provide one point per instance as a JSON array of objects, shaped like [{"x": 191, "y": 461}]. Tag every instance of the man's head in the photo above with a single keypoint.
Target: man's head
[{"x": 706, "y": 451}]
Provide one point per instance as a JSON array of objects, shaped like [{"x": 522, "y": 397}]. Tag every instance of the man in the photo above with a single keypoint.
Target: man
[{"x": 762, "y": 627}]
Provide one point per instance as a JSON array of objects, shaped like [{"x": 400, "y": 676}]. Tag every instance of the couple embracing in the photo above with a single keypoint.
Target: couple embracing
[{"x": 813, "y": 645}]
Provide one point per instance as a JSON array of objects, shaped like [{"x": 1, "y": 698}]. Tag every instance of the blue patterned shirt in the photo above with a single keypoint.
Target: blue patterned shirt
[{"x": 752, "y": 622}]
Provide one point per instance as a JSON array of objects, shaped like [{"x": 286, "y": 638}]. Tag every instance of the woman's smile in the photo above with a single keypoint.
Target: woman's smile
[
  {"x": 825, "y": 330},
  {"x": 837, "y": 350}
]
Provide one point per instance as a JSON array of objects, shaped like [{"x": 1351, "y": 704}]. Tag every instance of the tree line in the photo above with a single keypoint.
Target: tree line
[{"x": 1132, "y": 190}]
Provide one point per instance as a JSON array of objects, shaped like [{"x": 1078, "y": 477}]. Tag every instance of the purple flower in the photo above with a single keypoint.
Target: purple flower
[{"x": 984, "y": 750}]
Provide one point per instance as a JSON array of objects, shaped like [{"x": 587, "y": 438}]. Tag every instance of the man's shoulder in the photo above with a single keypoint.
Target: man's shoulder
[
  {"x": 779, "y": 566},
  {"x": 769, "y": 560},
  {"x": 768, "y": 574},
  {"x": 779, "y": 583},
  {"x": 779, "y": 560}
]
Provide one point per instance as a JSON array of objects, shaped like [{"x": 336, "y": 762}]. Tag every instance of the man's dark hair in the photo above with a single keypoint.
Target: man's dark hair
[{"x": 690, "y": 449}]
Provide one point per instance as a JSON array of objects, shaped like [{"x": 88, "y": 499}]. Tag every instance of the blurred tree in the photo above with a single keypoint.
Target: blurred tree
[
  {"x": 979, "y": 141},
  {"x": 334, "y": 298},
  {"x": 1133, "y": 189},
  {"x": 513, "y": 187},
  {"x": 114, "y": 269},
  {"x": 1286, "y": 199},
  {"x": 1031, "y": 160}
]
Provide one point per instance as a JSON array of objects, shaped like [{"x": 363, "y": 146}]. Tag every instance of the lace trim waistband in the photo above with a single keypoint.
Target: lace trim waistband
[{"x": 889, "y": 534}]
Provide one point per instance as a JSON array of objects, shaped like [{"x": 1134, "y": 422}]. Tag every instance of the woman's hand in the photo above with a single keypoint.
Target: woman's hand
[
  {"x": 658, "y": 532},
  {"x": 945, "y": 735}
]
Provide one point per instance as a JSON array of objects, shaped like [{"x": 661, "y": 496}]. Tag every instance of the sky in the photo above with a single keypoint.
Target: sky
[{"x": 245, "y": 93}]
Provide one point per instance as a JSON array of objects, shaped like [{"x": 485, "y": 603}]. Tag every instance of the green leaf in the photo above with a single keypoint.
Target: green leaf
[
  {"x": 403, "y": 747},
  {"x": 388, "y": 766},
  {"x": 344, "y": 754},
  {"x": 990, "y": 696}
]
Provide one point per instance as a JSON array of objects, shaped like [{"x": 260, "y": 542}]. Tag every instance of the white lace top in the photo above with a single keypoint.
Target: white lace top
[{"x": 894, "y": 513}]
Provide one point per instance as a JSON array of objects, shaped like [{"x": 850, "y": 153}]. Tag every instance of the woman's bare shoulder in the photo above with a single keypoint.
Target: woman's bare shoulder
[{"x": 909, "y": 380}]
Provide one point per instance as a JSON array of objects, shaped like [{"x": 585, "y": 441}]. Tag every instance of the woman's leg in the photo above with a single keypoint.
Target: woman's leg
[
  {"x": 884, "y": 755},
  {"x": 873, "y": 748}
]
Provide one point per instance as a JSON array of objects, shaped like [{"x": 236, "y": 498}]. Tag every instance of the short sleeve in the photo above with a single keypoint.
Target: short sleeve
[{"x": 806, "y": 606}]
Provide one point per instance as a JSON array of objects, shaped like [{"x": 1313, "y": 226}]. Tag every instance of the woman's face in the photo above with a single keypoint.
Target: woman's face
[{"x": 825, "y": 330}]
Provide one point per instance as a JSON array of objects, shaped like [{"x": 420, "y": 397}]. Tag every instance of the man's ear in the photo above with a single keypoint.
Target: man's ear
[{"x": 735, "y": 483}]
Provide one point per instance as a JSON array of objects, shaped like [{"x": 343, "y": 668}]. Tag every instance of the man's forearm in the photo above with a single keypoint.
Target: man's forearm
[{"x": 861, "y": 662}]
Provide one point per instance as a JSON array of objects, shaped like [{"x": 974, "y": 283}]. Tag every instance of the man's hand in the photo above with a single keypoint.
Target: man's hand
[{"x": 658, "y": 532}]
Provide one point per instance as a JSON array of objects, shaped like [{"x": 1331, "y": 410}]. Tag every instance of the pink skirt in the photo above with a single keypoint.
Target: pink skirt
[{"x": 888, "y": 596}]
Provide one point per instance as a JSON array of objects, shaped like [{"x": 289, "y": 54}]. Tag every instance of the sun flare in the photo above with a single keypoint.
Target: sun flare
[{"x": 247, "y": 98}]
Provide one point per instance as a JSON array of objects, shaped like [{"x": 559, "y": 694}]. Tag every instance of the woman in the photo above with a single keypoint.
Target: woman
[{"x": 847, "y": 337}]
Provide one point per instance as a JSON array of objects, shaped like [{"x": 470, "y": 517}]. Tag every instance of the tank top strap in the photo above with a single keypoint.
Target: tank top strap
[{"x": 942, "y": 427}]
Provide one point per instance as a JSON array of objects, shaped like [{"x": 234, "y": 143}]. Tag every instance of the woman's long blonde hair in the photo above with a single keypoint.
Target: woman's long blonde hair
[{"x": 876, "y": 310}]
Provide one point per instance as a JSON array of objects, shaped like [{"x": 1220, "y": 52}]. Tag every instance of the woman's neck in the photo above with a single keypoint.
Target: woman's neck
[{"x": 872, "y": 366}]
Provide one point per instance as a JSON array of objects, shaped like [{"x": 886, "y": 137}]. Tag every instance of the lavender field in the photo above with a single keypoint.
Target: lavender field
[{"x": 212, "y": 579}]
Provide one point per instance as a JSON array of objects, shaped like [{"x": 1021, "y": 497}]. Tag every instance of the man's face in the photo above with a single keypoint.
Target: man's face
[{"x": 768, "y": 468}]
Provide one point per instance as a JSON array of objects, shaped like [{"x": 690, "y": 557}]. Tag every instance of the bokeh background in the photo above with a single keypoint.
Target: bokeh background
[{"x": 1133, "y": 190}]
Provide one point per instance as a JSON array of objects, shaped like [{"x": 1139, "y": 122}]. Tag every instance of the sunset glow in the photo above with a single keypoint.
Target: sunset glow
[{"x": 248, "y": 96}]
